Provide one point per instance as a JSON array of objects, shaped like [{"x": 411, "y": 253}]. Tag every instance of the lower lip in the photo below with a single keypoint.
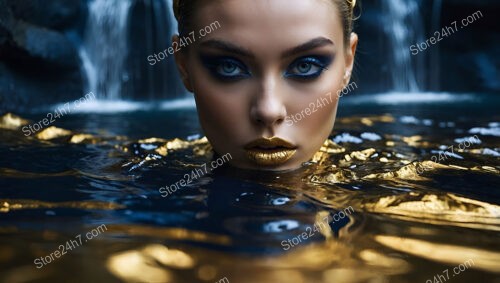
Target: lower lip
[{"x": 271, "y": 157}]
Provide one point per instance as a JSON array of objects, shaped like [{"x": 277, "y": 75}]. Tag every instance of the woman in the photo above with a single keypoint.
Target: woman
[{"x": 268, "y": 63}]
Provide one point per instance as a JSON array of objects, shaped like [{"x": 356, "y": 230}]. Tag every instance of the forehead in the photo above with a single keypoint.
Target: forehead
[{"x": 270, "y": 23}]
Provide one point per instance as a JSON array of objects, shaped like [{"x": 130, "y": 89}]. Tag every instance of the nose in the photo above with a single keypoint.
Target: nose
[{"x": 268, "y": 108}]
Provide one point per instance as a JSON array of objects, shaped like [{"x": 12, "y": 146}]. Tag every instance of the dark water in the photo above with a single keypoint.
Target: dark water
[{"x": 381, "y": 202}]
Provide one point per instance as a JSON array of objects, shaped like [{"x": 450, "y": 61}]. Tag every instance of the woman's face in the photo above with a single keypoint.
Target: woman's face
[{"x": 266, "y": 81}]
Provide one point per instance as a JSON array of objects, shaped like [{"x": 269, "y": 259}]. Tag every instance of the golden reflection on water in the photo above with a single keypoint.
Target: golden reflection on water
[
  {"x": 52, "y": 133},
  {"x": 148, "y": 264},
  {"x": 171, "y": 233},
  {"x": 357, "y": 255},
  {"x": 445, "y": 253},
  {"x": 444, "y": 209},
  {"x": 83, "y": 138},
  {"x": 12, "y": 122},
  {"x": 7, "y": 205},
  {"x": 365, "y": 120}
]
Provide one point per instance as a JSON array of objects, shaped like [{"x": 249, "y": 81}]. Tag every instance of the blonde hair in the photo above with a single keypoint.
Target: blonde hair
[{"x": 183, "y": 9}]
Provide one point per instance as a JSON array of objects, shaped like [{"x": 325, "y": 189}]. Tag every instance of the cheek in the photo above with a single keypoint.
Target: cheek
[
  {"x": 314, "y": 130},
  {"x": 317, "y": 114},
  {"x": 322, "y": 116},
  {"x": 317, "y": 110},
  {"x": 221, "y": 109},
  {"x": 216, "y": 113}
]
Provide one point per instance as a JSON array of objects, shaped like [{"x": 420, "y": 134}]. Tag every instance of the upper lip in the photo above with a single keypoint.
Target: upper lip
[{"x": 269, "y": 143}]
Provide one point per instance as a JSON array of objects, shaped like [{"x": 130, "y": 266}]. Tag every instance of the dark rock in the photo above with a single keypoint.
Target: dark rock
[
  {"x": 23, "y": 91},
  {"x": 38, "y": 65},
  {"x": 6, "y": 23},
  {"x": 53, "y": 14},
  {"x": 51, "y": 49}
]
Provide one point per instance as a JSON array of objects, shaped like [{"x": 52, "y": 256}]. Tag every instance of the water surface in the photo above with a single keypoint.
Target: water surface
[{"x": 411, "y": 207}]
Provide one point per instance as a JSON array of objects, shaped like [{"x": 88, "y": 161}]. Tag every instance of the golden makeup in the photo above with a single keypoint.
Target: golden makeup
[{"x": 270, "y": 152}]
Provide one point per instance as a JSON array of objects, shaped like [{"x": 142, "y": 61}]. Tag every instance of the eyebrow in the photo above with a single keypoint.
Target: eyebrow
[
  {"x": 227, "y": 46},
  {"x": 238, "y": 50},
  {"x": 311, "y": 44}
]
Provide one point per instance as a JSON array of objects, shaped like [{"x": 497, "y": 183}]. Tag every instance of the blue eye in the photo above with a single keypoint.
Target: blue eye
[
  {"x": 225, "y": 68},
  {"x": 228, "y": 68},
  {"x": 308, "y": 67}
]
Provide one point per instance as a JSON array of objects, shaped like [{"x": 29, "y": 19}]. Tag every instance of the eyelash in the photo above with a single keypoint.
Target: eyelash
[
  {"x": 320, "y": 62},
  {"x": 215, "y": 65}
]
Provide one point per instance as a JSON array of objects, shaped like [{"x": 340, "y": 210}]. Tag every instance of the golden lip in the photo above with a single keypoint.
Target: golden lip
[
  {"x": 270, "y": 152},
  {"x": 274, "y": 142}
]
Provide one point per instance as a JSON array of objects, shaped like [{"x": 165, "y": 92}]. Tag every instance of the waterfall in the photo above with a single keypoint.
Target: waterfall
[
  {"x": 152, "y": 26},
  {"x": 104, "y": 47},
  {"x": 119, "y": 36},
  {"x": 402, "y": 26},
  {"x": 434, "y": 72}
]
